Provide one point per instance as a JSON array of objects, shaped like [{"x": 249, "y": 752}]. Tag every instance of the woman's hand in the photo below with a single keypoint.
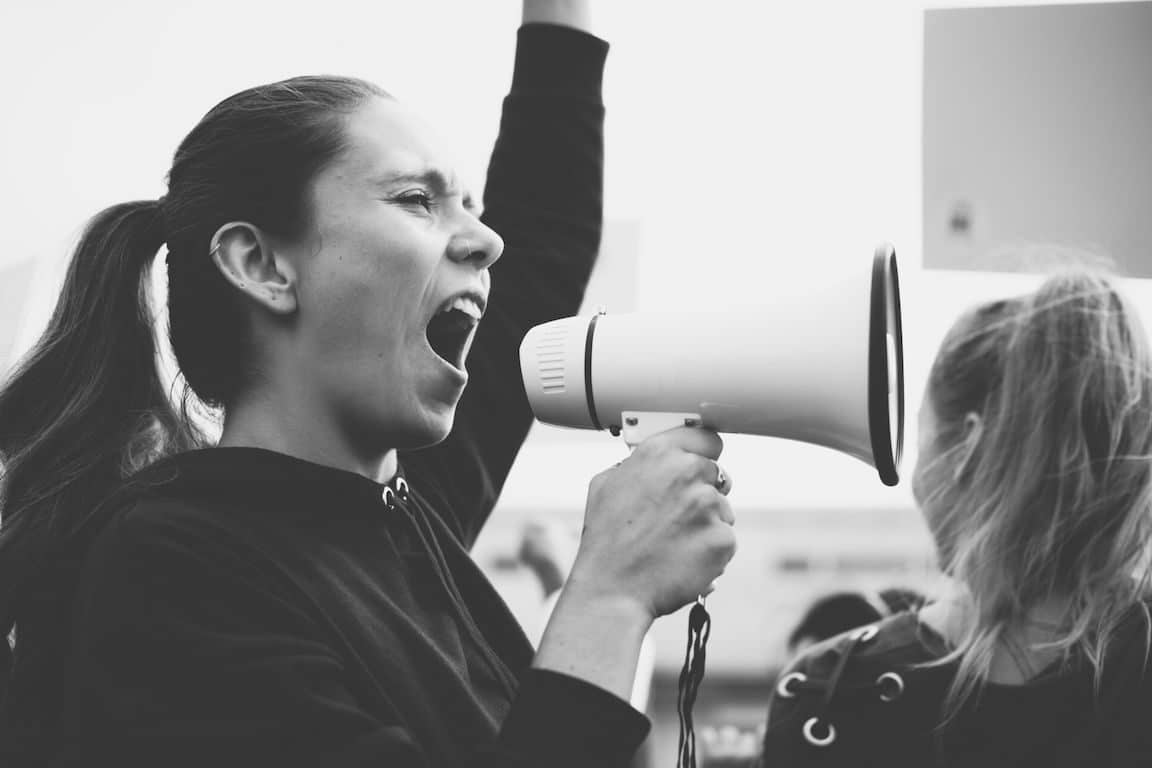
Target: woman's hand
[
  {"x": 568, "y": 13},
  {"x": 657, "y": 532},
  {"x": 657, "y": 528}
]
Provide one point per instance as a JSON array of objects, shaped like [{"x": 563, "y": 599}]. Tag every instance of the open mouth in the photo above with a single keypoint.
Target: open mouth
[{"x": 451, "y": 327}]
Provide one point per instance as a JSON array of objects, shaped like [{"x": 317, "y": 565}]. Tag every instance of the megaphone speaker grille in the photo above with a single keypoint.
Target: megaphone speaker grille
[{"x": 550, "y": 358}]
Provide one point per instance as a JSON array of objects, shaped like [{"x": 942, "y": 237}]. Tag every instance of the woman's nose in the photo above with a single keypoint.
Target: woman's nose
[{"x": 481, "y": 245}]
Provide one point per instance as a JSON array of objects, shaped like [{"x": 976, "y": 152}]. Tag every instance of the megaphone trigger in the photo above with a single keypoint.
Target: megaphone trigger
[{"x": 640, "y": 425}]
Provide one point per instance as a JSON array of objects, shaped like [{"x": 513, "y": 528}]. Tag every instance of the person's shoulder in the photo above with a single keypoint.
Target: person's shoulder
[
  {"x": 167, "y": 496},
  {"x": 151, "y": 520},
  {"x": 163, "y": 549},
  {"x": 869, "y": 690},
  {"x": 159, "y": 515},
  {"x": 147, "y": 528},
  {"x": 155, "y": 480},
  {"x": 1126, "y": 686},
  {"x": 882, "y": 658}
]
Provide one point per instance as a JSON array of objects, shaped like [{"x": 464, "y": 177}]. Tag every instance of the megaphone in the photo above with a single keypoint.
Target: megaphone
[{"x": 823, "y": 367}]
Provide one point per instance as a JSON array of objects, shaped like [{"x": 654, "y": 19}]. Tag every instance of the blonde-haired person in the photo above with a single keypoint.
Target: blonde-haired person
[{"x": 1035, "y": 479}]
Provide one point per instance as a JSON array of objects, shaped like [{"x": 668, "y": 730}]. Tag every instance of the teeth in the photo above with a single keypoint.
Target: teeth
[{"x": 465, "y": 304}]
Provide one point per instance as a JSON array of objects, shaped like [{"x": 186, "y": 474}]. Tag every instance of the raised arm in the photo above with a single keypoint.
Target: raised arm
[{"x": 544, "y": 196}]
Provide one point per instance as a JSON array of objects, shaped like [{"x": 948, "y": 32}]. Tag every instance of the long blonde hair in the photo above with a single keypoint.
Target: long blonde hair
[{"x": 1055, "y": 499}]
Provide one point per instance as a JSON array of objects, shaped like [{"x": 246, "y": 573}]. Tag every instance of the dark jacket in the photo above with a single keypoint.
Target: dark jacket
[
  {"x": 864, "y": 699},
  {"x": 242, "y": 607}
]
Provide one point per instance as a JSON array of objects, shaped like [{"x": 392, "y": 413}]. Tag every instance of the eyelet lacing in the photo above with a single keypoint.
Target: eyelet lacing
[
  {"x": 396, "y": 491},
  {"x": 818, "y": 730}
]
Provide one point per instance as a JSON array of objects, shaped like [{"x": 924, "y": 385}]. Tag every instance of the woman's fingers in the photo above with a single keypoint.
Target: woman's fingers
[
  {"x": 709, "y": 472},
  {"x": 658, "y": 528},
  {"x": 723, "y": 481},
  {"x": 697, "y": 440},
  {"x": 724, "y": 512}
]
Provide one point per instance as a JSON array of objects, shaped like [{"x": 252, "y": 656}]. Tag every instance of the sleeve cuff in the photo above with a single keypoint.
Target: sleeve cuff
[
  {"x": 562, "y": 720},
  {"x": 557, "y": 57}
]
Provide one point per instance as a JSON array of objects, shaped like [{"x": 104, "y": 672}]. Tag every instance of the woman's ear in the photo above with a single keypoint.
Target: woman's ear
[
  {"x": 245, "y": 257},
  {"x": 973, "y": 431}
]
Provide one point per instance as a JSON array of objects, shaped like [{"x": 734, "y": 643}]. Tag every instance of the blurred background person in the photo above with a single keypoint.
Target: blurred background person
[
  {"x": 548, "y": 549},
  {"x": 839, "y": 612},
  {"x": 899, "y": 599},
  {"x": 830, "y": 615},
  {"x": 729, "y": 746}
]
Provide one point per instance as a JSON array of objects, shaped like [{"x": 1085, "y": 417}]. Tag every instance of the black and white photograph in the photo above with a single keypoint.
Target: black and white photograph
[{"x": 576, "y": 384}]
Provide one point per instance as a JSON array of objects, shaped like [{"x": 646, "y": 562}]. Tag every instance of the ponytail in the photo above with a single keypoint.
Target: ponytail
[
  {"x": 1056, "y": 501},
  {"x": 86, "y": 406}
]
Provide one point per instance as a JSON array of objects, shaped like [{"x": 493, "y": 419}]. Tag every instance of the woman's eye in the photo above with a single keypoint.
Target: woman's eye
[{"x": 422, "y": 199}]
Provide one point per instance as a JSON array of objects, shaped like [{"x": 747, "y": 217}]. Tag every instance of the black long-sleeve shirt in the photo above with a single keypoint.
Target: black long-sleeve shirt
[{"x": 250, "y": 608}]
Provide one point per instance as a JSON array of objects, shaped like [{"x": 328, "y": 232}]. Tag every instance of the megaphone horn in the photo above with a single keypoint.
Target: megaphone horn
[{"x": 823, "y": 366}]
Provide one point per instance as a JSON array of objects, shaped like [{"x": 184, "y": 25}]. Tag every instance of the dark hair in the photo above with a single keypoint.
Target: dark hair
[
  {"x": 833, "y": 614},
  {"x": 87, "y": 406},
  {"x": 900, "y": 599}
]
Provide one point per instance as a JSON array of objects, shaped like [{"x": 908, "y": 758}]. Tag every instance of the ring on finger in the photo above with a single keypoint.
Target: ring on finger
[{"x": 721, "y": 478}]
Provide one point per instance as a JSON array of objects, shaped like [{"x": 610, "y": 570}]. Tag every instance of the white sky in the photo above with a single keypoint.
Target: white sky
[{"x": 757, "y": 144}]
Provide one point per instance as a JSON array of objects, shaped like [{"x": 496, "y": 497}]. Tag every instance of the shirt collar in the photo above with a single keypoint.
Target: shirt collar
[{"x": 266, "y": 477}]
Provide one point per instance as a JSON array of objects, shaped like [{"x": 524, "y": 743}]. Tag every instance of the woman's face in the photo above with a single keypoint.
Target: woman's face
[{"x": 396, "y": 242}]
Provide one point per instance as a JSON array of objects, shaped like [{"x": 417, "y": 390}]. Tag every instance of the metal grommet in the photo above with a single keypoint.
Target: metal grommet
[
  {"x": 782, "y": 689},
  {"x": 897, "y": 685},
  {"x": 865, "y": 634},
  {"x": 815, "y": 740},
  {"x": 402, "y": 489},
  {"x": 389, "y": 497}
]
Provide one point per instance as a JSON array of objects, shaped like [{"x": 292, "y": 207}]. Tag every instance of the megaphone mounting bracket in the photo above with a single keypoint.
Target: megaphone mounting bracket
[{"x": 640, "y": 425}]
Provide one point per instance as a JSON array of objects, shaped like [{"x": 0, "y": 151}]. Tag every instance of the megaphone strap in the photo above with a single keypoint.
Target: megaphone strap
[{"x": 691, "y": 674}]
